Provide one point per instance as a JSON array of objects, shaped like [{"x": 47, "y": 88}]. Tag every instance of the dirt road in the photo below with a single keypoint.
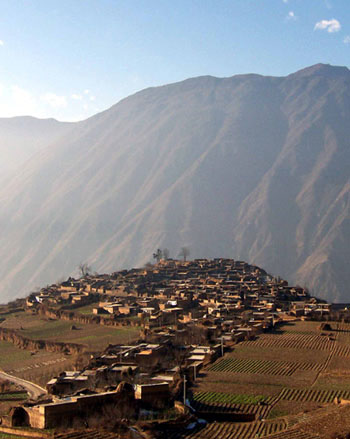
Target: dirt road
[{"x": 33, "y": 389}]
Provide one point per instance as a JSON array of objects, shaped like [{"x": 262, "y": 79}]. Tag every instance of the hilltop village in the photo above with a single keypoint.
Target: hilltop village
[{"x": 189, "y": 313}]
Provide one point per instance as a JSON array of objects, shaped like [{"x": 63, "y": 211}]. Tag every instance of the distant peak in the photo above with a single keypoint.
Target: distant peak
[{"x": 320, "y": 69}]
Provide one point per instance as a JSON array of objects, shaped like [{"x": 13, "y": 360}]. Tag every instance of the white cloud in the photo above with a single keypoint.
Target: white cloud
[
  {"x": 1, "y": 43},
  {"x": 76, "y": 97},
  {"x": 328, "y": 25},
  {"x": 347, "y": 39},
  {"x": 54, "y": 100},
  {"x": 285, "y": 1},
  {"x": 291, "y": 16},
  {"x": 16, "y": 100},
  {"x": 22, "y": 99},
  {"x": 86, "y": 91}
]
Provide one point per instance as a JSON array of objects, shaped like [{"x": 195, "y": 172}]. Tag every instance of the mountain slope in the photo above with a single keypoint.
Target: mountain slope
[
  {"x": 22, "y": 137},
  {"x": 251, "y": 167}
]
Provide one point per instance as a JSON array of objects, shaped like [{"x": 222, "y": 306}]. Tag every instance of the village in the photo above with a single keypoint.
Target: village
[{"x": 190, "y": 314}]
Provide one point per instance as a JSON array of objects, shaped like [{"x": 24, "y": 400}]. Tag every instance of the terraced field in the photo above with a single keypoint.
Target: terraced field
[
  {"x": 342, "y": 351},
  {"x": 343, "y": 327},
  {"x": 95, "y": 337},
  {"x": 86, "y": 434},
  {"x": 281, "y": 368},
  {"x": 13, "y": 396},
  {"x": 292, "y": 434},
  {"x": 217, "y": 402},
  {"x": 230, "y": 398},
  {"x": 228, "y": 430},
  {"x": 296, "y": 341},
  {"x": 321, "y": 396}
]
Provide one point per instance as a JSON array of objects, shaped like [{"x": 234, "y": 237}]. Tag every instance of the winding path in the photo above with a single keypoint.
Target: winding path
[{"x": 33, "y": 389}]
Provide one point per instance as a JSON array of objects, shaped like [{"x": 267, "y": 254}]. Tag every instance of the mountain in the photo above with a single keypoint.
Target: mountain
[
  {"x": 21, "y": 137},
  {"x": 250, "y": 167}
]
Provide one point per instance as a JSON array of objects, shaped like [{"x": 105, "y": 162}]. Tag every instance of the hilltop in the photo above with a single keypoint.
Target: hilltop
[
  {"x": 250, "y": 167},
  {"x": 250, "y": 354}
]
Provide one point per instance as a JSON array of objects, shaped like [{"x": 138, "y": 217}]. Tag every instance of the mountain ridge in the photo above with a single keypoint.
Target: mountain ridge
[{"x": 246, "y": 167}]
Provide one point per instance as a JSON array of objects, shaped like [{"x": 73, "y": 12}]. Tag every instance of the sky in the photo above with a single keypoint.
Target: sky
[{"x": 69, "y": 59}]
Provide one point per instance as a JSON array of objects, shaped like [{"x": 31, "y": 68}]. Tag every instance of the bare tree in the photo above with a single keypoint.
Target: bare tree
[
  {"x": 184, "y": 253},
  {"x": 158, "y": 255},
  {"x": 84, "y": 269}
]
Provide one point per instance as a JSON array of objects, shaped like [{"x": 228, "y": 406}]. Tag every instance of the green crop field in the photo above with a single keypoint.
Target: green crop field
[
  {"x": 10, "y": 436},
  {"x": 13, "y": 396}
]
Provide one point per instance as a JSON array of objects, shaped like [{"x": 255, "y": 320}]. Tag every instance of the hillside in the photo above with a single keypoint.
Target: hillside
[
  {"x": 251, "y": 167},
  {"x": 22, "y": 137}
]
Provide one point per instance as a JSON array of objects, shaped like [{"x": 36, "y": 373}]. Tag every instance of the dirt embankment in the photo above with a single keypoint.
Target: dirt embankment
[
  {"x": 21, "y": 342},
  {"x": 86, "y": 319}
]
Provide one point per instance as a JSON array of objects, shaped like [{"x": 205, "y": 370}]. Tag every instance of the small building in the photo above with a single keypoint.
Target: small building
[{"x": 154, "y": 395}]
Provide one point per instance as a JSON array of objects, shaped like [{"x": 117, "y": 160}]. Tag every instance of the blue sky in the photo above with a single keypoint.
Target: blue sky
[{"x": 69, "y": 59}]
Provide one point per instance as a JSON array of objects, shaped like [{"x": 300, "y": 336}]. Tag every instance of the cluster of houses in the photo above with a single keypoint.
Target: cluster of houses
[
  {"x": 192, "y": 289},
  {"x": 190, "y": 313}
]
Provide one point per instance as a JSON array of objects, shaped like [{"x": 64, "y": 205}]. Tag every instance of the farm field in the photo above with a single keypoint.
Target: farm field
[
  {"x": 87, "y": 309},
  {"x": 37, "y": 367},
  {"x": 95, "y": 337},
  {"x": 212, "y": 402},
  {"x": 262, "y": 367},
  {"x": 10, "y": 436},
  {"x": 41, "y": 366},
  {"x": 247, "y": 430},
  {"x": 8, "y": 396},
  {"x": 308, "y": 426},
  {"x": 85, "y": 434},
  {"x": 300, "y": 368}
]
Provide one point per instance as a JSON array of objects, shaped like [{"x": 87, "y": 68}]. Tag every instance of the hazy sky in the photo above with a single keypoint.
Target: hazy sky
[{"x": 69, "y": 59}]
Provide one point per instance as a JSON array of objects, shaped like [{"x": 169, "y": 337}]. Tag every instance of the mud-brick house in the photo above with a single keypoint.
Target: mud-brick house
[
  {"x": 131, "y": 310},
  {"x": 153, "y": 395},
  {"x": 150, "y": 356},
  {"x": 297, "y": 309},
  {"x": 204, "y": 354},
  {"x": 70, "y": 285},
  {"x": 122, "y": 372},
  {"x": 68, "y": 295},
  {"x": 65, "y": 412},
  {"x": 67, "y": 383}
]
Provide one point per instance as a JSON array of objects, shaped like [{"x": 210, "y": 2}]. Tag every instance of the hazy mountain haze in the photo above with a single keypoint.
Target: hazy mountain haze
[
  {"x": 250, "y": 167},
  {"x": 22, "y": 137}
]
